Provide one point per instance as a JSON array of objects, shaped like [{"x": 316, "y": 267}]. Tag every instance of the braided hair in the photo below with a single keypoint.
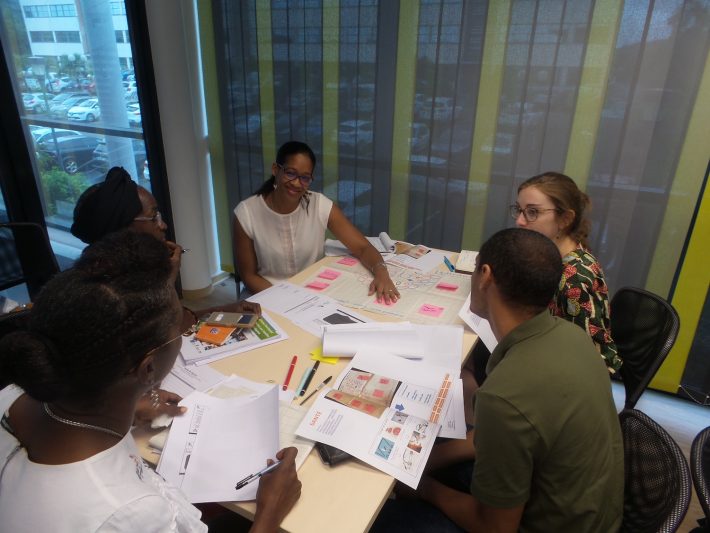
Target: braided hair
[{"x": 93, "y": 323}]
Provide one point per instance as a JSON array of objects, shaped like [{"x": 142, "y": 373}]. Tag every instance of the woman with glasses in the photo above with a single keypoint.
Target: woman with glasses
[
  {"x": 100, "y": 335},
  {"x": 553, "y": 205},
  {"x": 280, "y": 230}
]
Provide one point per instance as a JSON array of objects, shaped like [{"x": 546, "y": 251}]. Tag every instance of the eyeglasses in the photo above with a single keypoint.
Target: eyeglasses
[
  {"x": 156, "y": 219},
  {"x": 292, "y": 175},
  {"x": 187, "y": 327},
  {"x": 530, "y": 213}
]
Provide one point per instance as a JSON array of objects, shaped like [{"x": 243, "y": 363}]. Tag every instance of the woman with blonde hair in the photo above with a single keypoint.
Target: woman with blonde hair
[{"x": 552, "y": 204}]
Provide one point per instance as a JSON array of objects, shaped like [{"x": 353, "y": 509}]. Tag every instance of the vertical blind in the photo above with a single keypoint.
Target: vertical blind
[{"x": 426, "y": 115}]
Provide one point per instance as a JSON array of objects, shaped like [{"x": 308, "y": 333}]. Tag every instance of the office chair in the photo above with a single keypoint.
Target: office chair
[
  {"x": 656, "y": 476},
  {"x": 25, "y": 257},
  {"x": 700, "y": 470},
  {"x": 9, "y": 322},
  {"x": 644, "y": 327}
]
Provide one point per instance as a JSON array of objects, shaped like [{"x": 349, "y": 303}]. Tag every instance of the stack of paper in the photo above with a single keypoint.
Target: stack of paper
[
  {"x": 265, "y": 332},
  {"x": 478, "y": 325}
]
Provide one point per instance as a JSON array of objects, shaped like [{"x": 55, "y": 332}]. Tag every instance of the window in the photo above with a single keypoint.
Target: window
[
  {"x": 57, "y": 10},
  {"x": 41, "y": 36},
  {"x": 119, "y": 36},
  {"x": 118, "y": 8},
  {"x": 67, "y": 36}
]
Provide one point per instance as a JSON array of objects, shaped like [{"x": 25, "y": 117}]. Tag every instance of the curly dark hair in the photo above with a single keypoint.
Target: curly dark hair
[
  {"x": 94, "y": 322},
  {"x": 526, "y": 266}
]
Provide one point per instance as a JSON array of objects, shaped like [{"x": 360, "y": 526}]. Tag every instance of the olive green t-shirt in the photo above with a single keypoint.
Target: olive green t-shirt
[{"x": 547, "y": 432}]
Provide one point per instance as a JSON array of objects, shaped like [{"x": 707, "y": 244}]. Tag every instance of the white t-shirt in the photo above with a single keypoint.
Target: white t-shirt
[
  {"x": 113, "y": 491},
  {"x": 285, "y": 244}
]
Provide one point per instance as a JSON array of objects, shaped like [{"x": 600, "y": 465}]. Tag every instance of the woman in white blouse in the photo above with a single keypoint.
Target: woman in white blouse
[{"x": 280, "y": 230}]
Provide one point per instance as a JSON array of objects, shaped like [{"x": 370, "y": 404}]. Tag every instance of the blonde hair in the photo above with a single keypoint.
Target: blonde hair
[{"x": 566, "y": 196}]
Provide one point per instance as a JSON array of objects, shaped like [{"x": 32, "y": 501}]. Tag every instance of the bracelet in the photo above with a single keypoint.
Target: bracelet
[{"x": 381, "y": 263}]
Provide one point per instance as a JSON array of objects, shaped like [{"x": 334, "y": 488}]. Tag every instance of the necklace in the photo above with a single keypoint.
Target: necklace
[{"x": 76, "y": 424}]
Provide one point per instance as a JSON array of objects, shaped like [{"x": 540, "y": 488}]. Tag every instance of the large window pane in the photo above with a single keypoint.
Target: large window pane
[{"x": 78, "y": 99}]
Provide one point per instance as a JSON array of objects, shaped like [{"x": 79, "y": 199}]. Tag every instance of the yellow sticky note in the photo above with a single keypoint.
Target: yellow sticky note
[{"x": 317, "y": 355}]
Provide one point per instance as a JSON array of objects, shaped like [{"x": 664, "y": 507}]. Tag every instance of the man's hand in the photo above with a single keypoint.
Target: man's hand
[
  {"x": 175, "y": 258},
  {"x": 243, "y": 307}
]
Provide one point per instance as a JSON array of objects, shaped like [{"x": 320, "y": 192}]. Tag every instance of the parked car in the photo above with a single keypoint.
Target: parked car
[
  {"x": 72, "y": 153},
  {"x": 34, "y": 102},
  {"x": 134, "y": 115},
  {"x": 102, "y": 159},
  {"x": 41, "y": 134},
  {"x": 65, "y": 83},
  {"x": 87, "y": 111},
  {"x": 60, "y": 110},
  {"x": 88, "y": 85}
]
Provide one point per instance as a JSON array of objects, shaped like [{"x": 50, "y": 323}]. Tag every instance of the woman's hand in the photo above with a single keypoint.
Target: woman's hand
[
  {"x": 383, "y": 285},
  {"x": 150, "y": 407},
  {"x": 243, "y": 307},
  {"x": 278, "y": 492},
  {"x": 175, "y": 258}
]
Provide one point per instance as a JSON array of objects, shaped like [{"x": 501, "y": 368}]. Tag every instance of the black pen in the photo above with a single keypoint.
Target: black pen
[
  {"x": 308, "y": 379},
  {"x": 184, "y": 250},
  {"x": 252, "y": 477},
  {"x": 319, "y": 387}
]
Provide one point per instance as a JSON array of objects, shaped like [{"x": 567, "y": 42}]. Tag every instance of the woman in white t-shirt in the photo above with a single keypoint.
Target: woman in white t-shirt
[
  {"x": 280, "y": 230},
  {"x": 99, "y": 336}
]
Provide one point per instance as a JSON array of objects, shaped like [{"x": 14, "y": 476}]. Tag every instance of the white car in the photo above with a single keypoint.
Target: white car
[{"x": 87, "y": 111}]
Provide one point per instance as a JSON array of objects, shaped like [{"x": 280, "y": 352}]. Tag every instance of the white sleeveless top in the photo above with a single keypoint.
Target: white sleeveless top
[{"x": 285, "y": 244}]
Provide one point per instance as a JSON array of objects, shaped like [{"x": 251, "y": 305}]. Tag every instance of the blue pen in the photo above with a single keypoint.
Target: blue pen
[
  {"x": 303, "y": 380},
  {"x": 448, "y": 264}
]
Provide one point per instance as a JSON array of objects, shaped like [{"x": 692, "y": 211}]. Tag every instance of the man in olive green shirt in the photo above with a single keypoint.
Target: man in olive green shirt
[{"x": 548, "y": 448}]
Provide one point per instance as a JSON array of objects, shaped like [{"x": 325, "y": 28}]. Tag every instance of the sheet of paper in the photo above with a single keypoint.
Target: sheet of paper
[
  {"x": 425, "y": 263},
  {"x": 378, "y": 417},
  {"x": 454, "y": 424},
  {"x": 290, "y": 416},
  {"x": 236, "y": 439},
  {"x": 183, "y": 379},
  {"x": 466, "y": 261},
  {"x": 480, "y": 326}
]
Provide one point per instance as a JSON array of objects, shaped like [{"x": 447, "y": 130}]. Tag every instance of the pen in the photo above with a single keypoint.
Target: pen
[
  {"x": 448, "y": 264},
  {"x": 309, "y": 378},
  {"x": 290, "y": 372},
  {"x": 184, "y": 250},
  {"x": 303, "y": 380},
  {"x": 319, "y": 387},
  {"x": 251, "y": 477}
]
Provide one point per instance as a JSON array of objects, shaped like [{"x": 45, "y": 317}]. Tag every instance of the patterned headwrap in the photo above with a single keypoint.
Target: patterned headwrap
[{"x": 106, "y": 207}]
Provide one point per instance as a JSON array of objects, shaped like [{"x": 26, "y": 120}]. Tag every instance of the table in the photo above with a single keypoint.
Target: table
[{"x": 349, "y": 495}]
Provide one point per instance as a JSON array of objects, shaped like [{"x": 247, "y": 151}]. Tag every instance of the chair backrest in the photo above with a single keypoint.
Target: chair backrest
[
  {"x": 656, "y": 476},
  {"x": 700, "y": 468},
  {"x": 26, "y": 256},
  {"x": 644, "y": 327},
  {"x": 9, "y": 322}
]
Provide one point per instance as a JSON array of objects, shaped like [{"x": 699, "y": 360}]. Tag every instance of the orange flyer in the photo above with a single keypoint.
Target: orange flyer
[{"x": 214, "y": 334}]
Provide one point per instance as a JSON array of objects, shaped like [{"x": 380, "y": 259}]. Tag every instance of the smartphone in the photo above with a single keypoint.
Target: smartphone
[{"x": 232, "y": 320}]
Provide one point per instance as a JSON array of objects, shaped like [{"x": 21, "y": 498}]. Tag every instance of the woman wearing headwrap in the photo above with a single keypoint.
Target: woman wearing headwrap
[{"x": 115, "y": 204}]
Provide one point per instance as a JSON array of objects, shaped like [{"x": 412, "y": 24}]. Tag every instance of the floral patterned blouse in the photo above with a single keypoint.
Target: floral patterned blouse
[{"x": 583, "y": 299}]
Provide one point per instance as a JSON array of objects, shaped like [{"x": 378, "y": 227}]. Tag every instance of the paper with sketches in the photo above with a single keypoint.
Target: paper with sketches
[{"x": 385, "y": 411}]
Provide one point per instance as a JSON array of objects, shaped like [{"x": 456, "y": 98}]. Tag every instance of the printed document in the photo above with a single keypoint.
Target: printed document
[
  {"x": 479, "y": 325},
  {"x": 384, "y": 410}
]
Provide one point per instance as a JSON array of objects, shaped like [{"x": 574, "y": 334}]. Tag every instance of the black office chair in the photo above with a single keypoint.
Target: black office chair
[
  {"x": 644, "y": 327},
  {"x": 9, "y": 322},
  {"x": 25, "y": 257},
  {"x": 700, "y": 470},
  {"x": 656, "y": 476}
]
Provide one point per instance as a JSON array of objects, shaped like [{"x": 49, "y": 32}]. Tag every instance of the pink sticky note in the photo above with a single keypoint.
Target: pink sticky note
[
  {"x": 384, "y": 381},
  {"x": 317, "y": 285},
  {"x": 378, "y": 393},
  {"x": 447, "y": 286},
  {"x": 348, "y": 261},
  {"x": 431, "y": 310},
  {"x": 329, "y": 274}
]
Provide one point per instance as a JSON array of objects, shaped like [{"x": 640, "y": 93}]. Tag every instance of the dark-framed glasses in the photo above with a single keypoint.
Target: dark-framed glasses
[
  {"x": 292, "y": 175},
  {"x": 156, "y": 219},
  {"x": 530, "y": 213}
]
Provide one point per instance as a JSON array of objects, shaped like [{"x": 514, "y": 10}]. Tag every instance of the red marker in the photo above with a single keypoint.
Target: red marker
[{"x": 290, "y": 372}]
